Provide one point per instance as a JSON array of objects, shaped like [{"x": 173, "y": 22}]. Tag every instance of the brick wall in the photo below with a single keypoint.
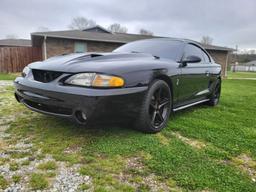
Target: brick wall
[
  {"x": 56, "y": 46},
  {"x": 220, "y": 58},
  {"x": 101, "y": 46}
]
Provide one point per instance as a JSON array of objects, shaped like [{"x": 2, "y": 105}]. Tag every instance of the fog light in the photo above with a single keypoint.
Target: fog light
[{"x": 80, "y": 117}]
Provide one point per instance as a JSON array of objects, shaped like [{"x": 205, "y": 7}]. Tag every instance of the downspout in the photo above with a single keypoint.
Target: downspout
[
  {"x": 45, "y": 48},
  {"x": 226, "y": 66}
]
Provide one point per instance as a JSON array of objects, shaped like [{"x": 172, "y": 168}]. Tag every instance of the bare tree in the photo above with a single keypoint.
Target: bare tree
[
  {"x": 11, "y": 36},
  {"x": 81, "y": 23},
  {"x": 146, "y": 32},
  {"x": 206, "y": 40},
  {"x": 117, "y": 28},
  {"x": 42, "y": 29}
]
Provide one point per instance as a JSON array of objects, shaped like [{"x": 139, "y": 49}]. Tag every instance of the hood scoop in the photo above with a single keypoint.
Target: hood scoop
[
  {"x": 95, "y": 55},
  {"x": 86, "y": 57}
]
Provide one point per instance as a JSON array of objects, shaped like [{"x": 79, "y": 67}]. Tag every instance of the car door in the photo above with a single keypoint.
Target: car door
[{"x": 194, "y": 77}]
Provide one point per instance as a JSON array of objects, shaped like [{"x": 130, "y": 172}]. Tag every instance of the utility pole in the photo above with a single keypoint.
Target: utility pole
[
  {"x": 236, "y": 63},
  {"x": 236, "y": 53}
]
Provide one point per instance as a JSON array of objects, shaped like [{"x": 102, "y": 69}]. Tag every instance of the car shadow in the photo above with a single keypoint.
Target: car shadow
[
  {"x": 101, "y": 125},
  {"x": 128, "y": 124}
]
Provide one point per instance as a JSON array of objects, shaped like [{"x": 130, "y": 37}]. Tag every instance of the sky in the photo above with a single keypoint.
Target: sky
[{"x": 227, "y": 22}]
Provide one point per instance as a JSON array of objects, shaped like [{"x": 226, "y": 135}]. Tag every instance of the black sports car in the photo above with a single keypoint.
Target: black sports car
[{"x": 145, "y": 80}]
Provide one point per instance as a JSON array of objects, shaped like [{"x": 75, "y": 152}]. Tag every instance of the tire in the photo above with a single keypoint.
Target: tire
[
  {"x": 155, "y": 109},
  {"x": 215, "y": 97}
]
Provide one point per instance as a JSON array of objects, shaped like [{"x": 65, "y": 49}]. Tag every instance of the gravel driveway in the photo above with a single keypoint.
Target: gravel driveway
[{"x": 19, "y": 159}]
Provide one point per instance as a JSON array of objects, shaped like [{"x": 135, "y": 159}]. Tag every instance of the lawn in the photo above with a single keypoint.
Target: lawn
[
  {"x": 8, "y": 76},
  {"x": 241, "y": 74},
  {"x": 202, "y": 149}
]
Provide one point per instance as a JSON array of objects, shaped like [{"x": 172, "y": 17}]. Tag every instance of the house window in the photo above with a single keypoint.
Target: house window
[{"x": 80, "y": 47}]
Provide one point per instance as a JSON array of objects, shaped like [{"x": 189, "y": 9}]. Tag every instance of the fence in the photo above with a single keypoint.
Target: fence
[
  {"x": 14, "y": 59},
  {"x": 251, "y": 68}
]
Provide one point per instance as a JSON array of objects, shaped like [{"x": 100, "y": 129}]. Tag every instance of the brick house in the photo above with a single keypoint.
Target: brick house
[{"x": 98, "y": 39}]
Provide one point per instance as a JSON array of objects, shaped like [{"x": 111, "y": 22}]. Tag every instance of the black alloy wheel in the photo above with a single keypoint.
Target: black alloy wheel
[
  {"x": 156, "y": 108},
  {"x": 159, "y": 107}
]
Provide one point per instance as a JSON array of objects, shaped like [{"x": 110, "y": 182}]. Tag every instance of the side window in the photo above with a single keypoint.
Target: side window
[
  {"x": 193, "y": 50},
  {"x": 206, "y": 57}
]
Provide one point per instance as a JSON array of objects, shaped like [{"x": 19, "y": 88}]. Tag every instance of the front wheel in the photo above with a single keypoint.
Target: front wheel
[{"x": 156, "y": 108}]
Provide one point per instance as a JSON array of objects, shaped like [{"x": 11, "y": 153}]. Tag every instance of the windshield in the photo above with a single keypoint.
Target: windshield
[{"x": 171, "y": 49}]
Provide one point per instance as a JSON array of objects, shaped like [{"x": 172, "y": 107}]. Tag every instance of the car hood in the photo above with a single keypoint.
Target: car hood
[{"x": 98, "y": 62}]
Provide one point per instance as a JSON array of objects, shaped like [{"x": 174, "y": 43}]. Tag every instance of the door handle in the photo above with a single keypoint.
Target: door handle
[{"x": 207, "y": 73}]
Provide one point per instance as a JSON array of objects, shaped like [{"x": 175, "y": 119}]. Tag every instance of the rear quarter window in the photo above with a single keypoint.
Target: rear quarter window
[{"x": 206, "y": 57}]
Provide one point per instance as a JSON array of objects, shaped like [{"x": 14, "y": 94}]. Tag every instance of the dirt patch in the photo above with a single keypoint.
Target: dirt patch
[
  {"x": 162, "y": 139},
  {"x": 3, "y": 144},
  {"x": 73, "y": 149},
  {"x": 134, "y": 163},
  {"x": 138, "y": 176},
  {"x": 6, "y": 121},
  {"x": 192, "y": 142},
  {"x": 4, "y": 83},
  {"x": 246, "y": 164}
]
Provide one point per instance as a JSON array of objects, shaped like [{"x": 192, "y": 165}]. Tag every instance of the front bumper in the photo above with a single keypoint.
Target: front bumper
[{"x": 69, "y": 101}]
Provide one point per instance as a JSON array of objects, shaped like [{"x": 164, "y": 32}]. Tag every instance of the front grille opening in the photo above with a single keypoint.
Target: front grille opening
[
  {"x": 45, "y": 76},
  {"x": 49, "y": 108}
]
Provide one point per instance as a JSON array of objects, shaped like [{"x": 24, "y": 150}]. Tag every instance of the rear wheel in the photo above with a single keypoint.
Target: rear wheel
[
  {"x": 156, "y": 108},
  {"x": 215, "y": 97}
]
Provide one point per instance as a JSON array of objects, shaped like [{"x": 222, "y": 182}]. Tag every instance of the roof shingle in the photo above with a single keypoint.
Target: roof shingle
[{"x": 107, "y": 37}]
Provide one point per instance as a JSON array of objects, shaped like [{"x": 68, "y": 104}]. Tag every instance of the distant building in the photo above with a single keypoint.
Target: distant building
[
  {"x": 15, "y": 43},
  {"x": 98, "y": 39},
  {"x": 251, "y": 63},
  {"x": 249, "y": 66}
]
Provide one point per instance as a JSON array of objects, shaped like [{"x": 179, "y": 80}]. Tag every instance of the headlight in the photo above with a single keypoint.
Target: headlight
[
  {"x": 107, "y": 81},
  {"x": 95, "y": 80},
  {"x": 83, "y": 79},
  {"x": 25, "y": 71}
]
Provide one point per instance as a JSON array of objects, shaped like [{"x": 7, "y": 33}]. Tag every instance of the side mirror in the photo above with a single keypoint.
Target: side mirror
[{"x": 190, "y": 59}]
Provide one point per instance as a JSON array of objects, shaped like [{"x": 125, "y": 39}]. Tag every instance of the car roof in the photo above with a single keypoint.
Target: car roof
[
  {"x": 173, "y": 39},
  {"x": 185, "y": 41}
]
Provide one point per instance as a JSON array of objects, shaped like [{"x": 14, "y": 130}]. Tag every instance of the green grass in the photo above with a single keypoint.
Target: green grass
[
  {"x": 49, "y": 165},
  {"x": 8, "y": 76},
  {"x": 241, "y": 74},
  {"x": 3, "y": 161},
  {"x": 3, "y": 182},
  {"x": 38, "y": 181},
  {"x": 84, "y": 187},
  {"x": 25, "y": 162},
  {"x": 14, "y": 166},
  {"x": 227, "y": 130},
  {"x": 16, "y": 178}
]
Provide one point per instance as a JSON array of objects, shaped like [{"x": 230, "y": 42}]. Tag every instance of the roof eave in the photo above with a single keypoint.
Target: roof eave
[
  {"x": 121, "y": 42},
  {"x": 76, "y": 38},
  {"x": 15, "y": 45}
]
